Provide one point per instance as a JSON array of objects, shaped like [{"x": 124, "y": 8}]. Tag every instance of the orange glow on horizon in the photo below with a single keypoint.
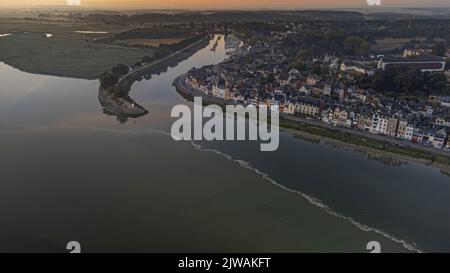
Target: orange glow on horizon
[{"x": 230, "y": 4}]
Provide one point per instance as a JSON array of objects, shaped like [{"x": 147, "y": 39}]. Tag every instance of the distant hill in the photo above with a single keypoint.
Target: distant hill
[{"x": 221, "y": 16}]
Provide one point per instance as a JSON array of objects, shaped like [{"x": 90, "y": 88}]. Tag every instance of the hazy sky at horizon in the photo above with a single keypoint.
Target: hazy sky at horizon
[{"x": 231, "y": 4}]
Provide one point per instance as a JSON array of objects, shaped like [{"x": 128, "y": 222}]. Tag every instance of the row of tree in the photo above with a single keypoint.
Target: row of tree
[
  {"x": 403, "y": 80},
  {"x": 109, "y": 79}
]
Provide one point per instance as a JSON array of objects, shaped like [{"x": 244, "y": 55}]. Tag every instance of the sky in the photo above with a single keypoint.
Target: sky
[{"x": 227, "y": 4}]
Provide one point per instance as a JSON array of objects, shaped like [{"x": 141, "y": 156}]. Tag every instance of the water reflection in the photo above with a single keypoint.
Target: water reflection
[
  {"x": 123, "y": 106},
  {"x": 408, "y": 201},
  {"x": 161, "y": 66},
  {"x": 384, "y": 158},
  {"x": 371, "y": 155}
]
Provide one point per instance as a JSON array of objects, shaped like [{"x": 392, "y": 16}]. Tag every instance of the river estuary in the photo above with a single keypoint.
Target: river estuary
[{"x": 69, "y": 172}]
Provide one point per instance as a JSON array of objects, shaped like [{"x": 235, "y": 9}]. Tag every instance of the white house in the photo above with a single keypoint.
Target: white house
[
  {"x": 327, "y": 90},
  {"x": 405, "y": 130},
  {"x": 220, "y": 92},
  {"x": 379, "y": 124},
  {"x": 424, "y": 63}
]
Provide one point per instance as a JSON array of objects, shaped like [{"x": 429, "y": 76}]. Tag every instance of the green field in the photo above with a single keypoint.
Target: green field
[{"x": 66, "y": 53}]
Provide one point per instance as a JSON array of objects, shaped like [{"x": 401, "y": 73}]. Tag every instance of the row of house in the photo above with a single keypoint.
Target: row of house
[
  {"x": 260, "y": 75},
  {"x": 391, "y": 125}
]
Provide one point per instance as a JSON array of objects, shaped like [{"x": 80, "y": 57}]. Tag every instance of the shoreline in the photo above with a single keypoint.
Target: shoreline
[
  {"x": 127, "y": 80},
  {"x": 66, "y": 54},
  {"x": 189, "y": 93},
  {"x": 126, "y": 106},
  {"x": 50, "y": 74},
  {"x": 335, "y": 143},
  {"x": 364, "y": 134}
]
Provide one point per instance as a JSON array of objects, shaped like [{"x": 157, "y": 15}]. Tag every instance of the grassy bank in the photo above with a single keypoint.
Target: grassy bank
[
  {"x": 67, "y": 53},
  {"x": 365, "y": 142}
]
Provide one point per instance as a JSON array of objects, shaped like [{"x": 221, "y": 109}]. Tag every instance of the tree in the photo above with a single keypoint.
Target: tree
[
  {"x": 119, "y": 69},
  {"x": 438, "y": 82},
  {"x": 270, "y": 78},
  {"x": 147, "y": 59},
  {"x": 300, "y": 66},
  {"x": 446, "y": 91},
  {"x": 429, "y": 38},
  {"x": 439, "y": 49},
  {"x": 161, "y": 53},
  {"x": 316, "y": 69},
  {"x": 356, "y": 45},
  {"x": 117, "y": 91},
  {"x": 378, "y": 81},
  {"x": 122, "y": 119},
  {"x": 403, "y": 80},
  {"x": 108, "y": 80}
]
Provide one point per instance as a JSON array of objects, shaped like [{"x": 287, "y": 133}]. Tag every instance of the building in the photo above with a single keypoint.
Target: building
[
  {"x": 434, "y": 99},
  {"x": 410, "y": 52},
  {"x": 221, "y": 91},
  {"x": 435, "y": 138},
  {"x": 442, "y": 100},
  {"x": 317, "y": 91},
  {"x": 311, "y": 80},
  {"x": 327, "y": 90},
  {"x": 447, "y": 146},
  {"x": 442, "y": 121},
  {"x": 232, "y": 42},
  {"x": 379, "y": 123},
  {"x": 325, "y": 115},
  {"x": 418, "y": 136},
  {"x": 305, "y": 89},
  {"x": 289, "y": 108},
  {"x": 283, "y": 79},
  {"x": 424, "y": 63},
  {"x": 405, "y": 130},
  {"x": 361, "y": 95},
  {"x": 426, "y": 111},
  {"x": 308, "y": 107},
  {"x": 342, "y": 94},
  {"x": 445, "y": 102},
  {"x": 392, "y": 126},
  {"x": 349, "y": 66},
  {"x": 364, "y": 122},
  {"x": 341, "y": 116}
]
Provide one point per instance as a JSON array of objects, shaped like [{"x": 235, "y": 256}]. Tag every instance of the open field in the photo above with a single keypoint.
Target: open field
[
  {"x": 390, "y": 43},
  {"x": 67, "y": 52},
  {"x": 148, "y": 42}
]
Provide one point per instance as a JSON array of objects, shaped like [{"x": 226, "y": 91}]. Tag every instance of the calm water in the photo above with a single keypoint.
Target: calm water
[{"x": 70, "y": 172}]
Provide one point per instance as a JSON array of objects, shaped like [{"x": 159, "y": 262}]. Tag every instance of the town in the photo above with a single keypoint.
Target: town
[{"x": 400, "y": 92}]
